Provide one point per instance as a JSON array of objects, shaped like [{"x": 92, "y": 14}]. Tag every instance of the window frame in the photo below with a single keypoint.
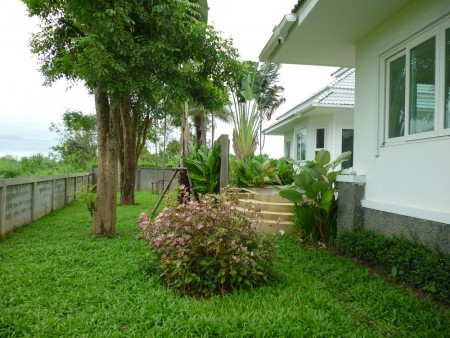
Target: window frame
[{"x": 438, "y": 31}]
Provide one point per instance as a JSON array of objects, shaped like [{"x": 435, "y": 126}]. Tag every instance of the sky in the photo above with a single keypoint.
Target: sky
[{"x": 28, "y": 108}]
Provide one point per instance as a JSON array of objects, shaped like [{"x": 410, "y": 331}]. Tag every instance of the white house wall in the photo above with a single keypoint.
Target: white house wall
[{"x": 411, "y": 178}]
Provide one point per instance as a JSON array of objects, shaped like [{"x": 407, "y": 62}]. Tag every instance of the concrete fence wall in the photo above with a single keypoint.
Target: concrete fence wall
[
  {"x": 152, "y": 179},
  {"x": 23, "y": 200}
]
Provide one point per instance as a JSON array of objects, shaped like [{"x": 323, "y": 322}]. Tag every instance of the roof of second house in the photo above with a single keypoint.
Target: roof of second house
[{"x": 339, "y": 93}]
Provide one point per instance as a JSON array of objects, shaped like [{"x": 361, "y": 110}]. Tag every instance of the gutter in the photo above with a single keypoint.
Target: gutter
[{"x": 279, "y": 35}]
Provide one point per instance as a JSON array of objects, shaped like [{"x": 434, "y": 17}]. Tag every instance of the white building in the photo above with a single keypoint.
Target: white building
[
  {"x": 401, "y": 52},
  {"x": 323, "y": 121}
]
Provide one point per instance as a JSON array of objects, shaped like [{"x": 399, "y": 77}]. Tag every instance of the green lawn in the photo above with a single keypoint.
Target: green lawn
[{"x": 58, "y": 281}]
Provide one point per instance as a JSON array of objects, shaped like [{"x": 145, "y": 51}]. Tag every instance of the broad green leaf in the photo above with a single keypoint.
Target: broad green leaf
[
  {"x": 292, "y": 195},
  {"x": 323, "y": 157},
  {"x": 303, "y": 180},
  {"x": 326, "y": 200},
  {"x": 342, "y": 158}
]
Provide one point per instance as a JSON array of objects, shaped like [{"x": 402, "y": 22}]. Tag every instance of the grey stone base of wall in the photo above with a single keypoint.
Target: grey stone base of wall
[
  {"x": 352, "y": 216},
  {"x": 433, "y": 235},
  {"x": 350, "y": 211}
]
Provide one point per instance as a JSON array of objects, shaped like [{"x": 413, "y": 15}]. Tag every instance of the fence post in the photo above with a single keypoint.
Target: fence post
[
  {"x": 33, "y": 200},
  {"x": 224, "y": 159},
  {"x": 3, "y": 210}
]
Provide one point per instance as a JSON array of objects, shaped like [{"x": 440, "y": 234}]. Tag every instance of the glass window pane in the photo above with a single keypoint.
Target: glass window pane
[
  {"x": 397, "y": 97},
  {"x": 347, "y": 145},
  {"x": 288, "y": 149},
  {"x": 447, "y": 80},
  {"x": 320, "y": 138},
  {"x": 301, "y": 145},
  {"x": 422, "y": 87}
]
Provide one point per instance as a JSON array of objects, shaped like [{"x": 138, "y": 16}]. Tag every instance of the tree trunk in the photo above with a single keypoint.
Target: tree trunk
[
  {"x": 183, "y": 178},
  {"x": 128, "y": 152},
  {"x": 104, "y": 216},
  {"x": 200, "y": 128}
]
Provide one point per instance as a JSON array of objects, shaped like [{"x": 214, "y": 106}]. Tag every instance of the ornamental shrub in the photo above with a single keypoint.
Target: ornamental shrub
[{"x": 209, "y": 247}]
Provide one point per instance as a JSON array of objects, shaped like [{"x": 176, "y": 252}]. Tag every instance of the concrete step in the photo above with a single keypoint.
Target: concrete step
[
  {"x": 266, "y": 206},
  {"x": 271, "y": 198},
  {"x": 272, "y": 215}
]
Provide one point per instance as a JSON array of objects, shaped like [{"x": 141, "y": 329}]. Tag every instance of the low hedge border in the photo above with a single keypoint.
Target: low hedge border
[{"x": 401, "y": 259}]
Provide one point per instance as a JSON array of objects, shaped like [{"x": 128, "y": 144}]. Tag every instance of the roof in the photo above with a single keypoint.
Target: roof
[
  {"x": 325, "y": 32},
  {"x": 338, "y": 94}
]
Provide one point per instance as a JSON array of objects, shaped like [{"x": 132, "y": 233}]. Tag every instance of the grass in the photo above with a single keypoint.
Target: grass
[{"x": 57, "y": 281}]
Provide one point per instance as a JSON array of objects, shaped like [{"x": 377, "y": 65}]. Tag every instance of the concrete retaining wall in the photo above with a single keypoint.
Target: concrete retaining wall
[{"x": 23, "y": 200}]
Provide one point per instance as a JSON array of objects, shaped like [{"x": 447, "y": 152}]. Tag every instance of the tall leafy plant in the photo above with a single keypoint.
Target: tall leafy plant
[
  {"x": 255, "y": 97},
  {"x": 204, "y": 170},
  {"x": 314, "y": 193}
]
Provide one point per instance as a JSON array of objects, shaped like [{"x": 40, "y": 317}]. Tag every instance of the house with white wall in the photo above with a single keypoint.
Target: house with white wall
[
  {"x": 401, "y": 52},
  {"x": 323, "y": 121}
]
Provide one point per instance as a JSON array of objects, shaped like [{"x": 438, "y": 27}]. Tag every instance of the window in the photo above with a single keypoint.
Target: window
[
  {"x": 447, "y": 79},
  {"x": 301, "y": 145},
  {"x": 417, "y": 97},
  {"x": 422, "y": 87},
  {"x": 347, "y": 145},
  {"x": 320, "y": 139},
  {"x": 287, "y": 152}
]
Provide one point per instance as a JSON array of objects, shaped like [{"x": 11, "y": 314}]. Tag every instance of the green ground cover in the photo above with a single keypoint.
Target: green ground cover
[{"x": 58, "y": 281}]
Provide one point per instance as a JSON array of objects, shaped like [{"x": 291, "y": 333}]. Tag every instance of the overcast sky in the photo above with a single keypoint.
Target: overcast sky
[{"x": 27, "y": 108}]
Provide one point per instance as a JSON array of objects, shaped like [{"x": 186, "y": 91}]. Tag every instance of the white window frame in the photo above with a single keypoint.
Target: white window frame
[
  {"x": 298, "y": 151},
  {"x": 438, "y": 31}
]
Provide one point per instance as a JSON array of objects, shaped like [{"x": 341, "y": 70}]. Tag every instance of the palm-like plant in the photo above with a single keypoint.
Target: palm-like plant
[{"x": 254, "y": 99}]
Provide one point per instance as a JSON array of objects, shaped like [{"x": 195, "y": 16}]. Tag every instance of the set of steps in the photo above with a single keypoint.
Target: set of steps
[{"x": 276, "y": 211}]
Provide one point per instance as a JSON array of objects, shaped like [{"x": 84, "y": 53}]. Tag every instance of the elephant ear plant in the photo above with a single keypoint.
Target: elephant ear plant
[{"x": 314, "y": 194}]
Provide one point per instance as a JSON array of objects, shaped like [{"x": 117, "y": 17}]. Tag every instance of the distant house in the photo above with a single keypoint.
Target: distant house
[
  {"x": 401, "y": 52},
  {"x": 323, "y": 121}
]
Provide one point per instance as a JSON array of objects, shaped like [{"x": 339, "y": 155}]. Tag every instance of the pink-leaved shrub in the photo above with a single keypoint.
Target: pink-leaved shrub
[{"x": 209, "y": 247}]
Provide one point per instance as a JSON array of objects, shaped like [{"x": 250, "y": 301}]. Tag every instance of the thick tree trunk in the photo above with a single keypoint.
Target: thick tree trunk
[
  {"x": 104, "y": 217},
  {"x": 128, "y": 153}
]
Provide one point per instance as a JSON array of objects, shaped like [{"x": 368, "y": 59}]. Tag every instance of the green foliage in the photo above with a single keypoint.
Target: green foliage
[
  {"x": 209, "y": 247},
  {"x": 402, "y": 259},
  {"x": 314, "y": 187},
  {"x": 285, "y": 171},
  {"x": 10, "y": 167},
  {"x": 34, "y": 165},
  {"x": 87, "y": 196},
  {"x": 204, "y": 169},
  {"x": 77, "y": 140},
  {"x": 57, "y": 281},
  {"x": 254, "y": 171}
]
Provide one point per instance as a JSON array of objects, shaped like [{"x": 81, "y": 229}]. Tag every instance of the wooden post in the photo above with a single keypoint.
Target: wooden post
[{"x": 224, "y": 159}]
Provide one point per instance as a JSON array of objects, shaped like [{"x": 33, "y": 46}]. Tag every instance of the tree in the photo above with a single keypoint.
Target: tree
[
  {"x": 114, "y": 47},
  {"x": 77, "y": 139}
]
